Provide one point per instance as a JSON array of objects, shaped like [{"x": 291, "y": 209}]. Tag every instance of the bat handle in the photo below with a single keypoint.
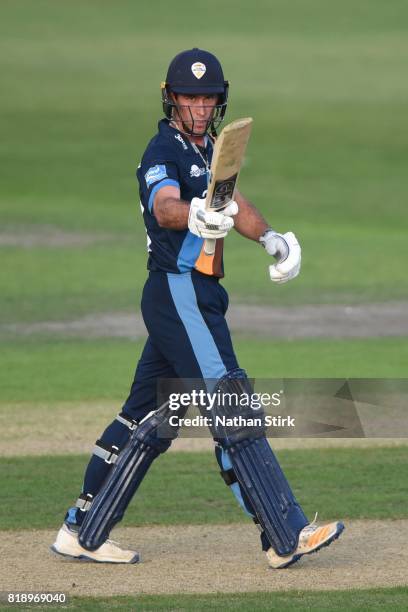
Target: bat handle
[
  {"x": 209, "y": 243},
  {"x": 209, "y": 246}
]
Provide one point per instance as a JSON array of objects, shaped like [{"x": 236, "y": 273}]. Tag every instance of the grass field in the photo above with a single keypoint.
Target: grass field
[
  {"x": 375, "y": 599},
  {"x": 327, "y": 158},
  {"x": 325, "y": 83},
  {"x": 339, "y": 481},
  {"x": 58, "y": 370}
]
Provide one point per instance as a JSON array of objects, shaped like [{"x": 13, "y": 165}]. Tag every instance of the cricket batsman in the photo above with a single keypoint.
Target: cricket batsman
[{"x": 183, "y": 306}]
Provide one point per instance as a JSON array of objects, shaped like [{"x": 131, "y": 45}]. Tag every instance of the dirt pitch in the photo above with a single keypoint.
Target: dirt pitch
[
  {"x": 389, "y": 319},
  {"x": 49, "y": 236},
  {"x": 202, "y": 559}
]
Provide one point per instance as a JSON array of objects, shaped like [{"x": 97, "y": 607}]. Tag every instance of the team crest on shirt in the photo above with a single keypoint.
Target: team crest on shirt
[
  {"x": 196, "y": 171},
  {"x": 198, "y": 69}
]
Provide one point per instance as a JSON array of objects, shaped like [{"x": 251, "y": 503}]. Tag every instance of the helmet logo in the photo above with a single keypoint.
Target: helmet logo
[{"x": 198, "y": 69}]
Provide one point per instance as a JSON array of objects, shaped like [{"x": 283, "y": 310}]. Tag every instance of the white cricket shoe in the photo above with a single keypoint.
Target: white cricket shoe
[
  {"x": 67, "y": 545},
  {"x": 311, "y": 539}
]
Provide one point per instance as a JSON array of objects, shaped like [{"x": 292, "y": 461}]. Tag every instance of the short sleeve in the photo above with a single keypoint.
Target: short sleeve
[{"x": 154, "y": 174}]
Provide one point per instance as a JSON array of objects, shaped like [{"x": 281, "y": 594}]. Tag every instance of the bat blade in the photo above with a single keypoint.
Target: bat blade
[{"x": 229, "y": 151}]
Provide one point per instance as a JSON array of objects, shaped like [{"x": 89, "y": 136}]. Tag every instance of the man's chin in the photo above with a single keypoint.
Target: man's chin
[
  {"x": 200, "y": 129},
  {"x": 195, "y": 130}
]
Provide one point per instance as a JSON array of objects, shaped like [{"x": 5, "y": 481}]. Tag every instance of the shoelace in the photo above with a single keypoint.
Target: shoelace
[{"x": 311, "y": 527}]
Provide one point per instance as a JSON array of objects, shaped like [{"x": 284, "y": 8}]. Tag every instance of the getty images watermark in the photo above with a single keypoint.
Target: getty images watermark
[
  {"x": 287, "y": 407},
  {"x": 225, "y": 401}
]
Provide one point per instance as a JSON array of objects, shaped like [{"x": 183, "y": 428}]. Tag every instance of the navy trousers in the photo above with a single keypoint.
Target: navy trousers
[{"x": 188, "y": 335}]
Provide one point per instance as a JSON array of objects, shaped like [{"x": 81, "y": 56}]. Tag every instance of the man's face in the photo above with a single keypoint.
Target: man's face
[{"x": 194, "y": 111}]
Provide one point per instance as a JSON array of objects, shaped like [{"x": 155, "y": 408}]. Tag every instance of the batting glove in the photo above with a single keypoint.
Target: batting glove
[
  {"x": 206, "y": 224},
  {"x": 286, "y": 249}
]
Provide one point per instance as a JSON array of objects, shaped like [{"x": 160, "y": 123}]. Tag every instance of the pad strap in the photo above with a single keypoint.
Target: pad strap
[
  {"x": 108, "y": 453},
  {"x": 84, "y": 502},
  {"x": 127, "y": 420},
  {"x": 229, "y": 476}
]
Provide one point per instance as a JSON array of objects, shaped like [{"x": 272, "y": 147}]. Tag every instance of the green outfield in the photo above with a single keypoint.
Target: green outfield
[
  {"x": 375, "y": 599},
  {"x": 352, "y": 599},
  {"x": 327, "y": 157},
  {"x": 339, "y": 481},
  {"x": 83, "y": 370},
  {"x": 325, "y": 83}
]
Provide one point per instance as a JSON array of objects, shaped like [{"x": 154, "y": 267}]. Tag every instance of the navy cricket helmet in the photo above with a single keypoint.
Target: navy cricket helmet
[{"x": 199, "y": 72}]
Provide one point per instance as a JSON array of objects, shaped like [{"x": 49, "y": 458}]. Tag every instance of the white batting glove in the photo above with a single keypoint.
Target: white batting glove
[
  {"x": 286, "y": 249},
  {"x": 207, "y": 224},
  {"x": 231, "y": 210}
]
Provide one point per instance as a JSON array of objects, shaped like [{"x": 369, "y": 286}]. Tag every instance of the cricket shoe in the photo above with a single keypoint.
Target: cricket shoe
[
  {"x": 67, "y": 545},
  {"x": 311, "y": 539}
]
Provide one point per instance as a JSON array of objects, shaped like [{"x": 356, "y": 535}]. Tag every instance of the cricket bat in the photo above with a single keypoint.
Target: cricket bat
[{"x": 229, "y": 150}]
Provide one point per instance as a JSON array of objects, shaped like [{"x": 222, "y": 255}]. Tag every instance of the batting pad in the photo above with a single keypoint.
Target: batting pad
[
  {"x": 264, "y": 482},
  {"x": 109, "y": 505}
]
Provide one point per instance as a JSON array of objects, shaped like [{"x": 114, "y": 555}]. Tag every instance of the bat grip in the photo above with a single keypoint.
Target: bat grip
[
  {"x": 209, "y": 243},
  {"x": 209, "y": 246}
]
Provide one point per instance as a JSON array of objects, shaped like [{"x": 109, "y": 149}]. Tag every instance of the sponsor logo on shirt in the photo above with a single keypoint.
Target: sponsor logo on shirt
[
  {"x": 154, "y": 174},
  {"x": 180, "y": 139},
  {"x": 196, "y": 171}
]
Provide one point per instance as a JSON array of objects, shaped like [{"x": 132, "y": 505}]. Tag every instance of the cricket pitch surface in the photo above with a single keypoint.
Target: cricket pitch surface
[{"x": 208, "y": 559}]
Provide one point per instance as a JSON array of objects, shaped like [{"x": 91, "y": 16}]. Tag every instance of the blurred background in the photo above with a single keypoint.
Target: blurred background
[{"x": 326, "y": 85}]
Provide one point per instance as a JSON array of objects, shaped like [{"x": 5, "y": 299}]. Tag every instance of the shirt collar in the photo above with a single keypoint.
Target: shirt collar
[{"x": 172, "y": 133}]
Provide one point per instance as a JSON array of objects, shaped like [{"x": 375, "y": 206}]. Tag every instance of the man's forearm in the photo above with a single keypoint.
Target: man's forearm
[
  {"x": 249, "y": 222},
  {"x": 172, "y": 213}
]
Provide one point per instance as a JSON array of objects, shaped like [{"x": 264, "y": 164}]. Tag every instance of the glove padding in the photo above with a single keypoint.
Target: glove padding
[
  {"x": 286, "y": 249},
  {"x": 207, "y": 224}
]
